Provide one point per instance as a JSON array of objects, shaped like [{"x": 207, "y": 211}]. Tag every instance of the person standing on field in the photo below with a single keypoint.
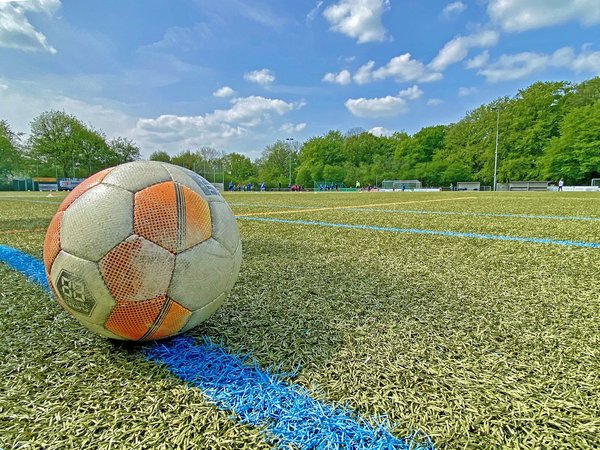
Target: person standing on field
[{"x": 561, "y": 183}]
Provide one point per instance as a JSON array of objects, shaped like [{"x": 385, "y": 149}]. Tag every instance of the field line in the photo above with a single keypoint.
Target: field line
[
  {"x": 257, "y": 397},
  {"x": 431, "y": 212},
  {"x": 497, "y": 237},
  {"x": 474, "y": 214},
  {"x": 334, "y": 208}
]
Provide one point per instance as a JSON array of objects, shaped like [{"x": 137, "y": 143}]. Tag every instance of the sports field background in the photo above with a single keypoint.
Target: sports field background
[{"x": 474, "y": 341}]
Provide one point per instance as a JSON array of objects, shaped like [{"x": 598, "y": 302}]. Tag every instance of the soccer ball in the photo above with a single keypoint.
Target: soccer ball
[{"x": 142, "y": 251}]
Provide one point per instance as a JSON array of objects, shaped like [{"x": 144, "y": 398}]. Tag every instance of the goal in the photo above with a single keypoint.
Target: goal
[{"x": 400, "y": 185}]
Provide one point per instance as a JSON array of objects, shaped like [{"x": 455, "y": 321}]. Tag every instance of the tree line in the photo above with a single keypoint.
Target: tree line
[
  {"x": 548, "y": 131},
  {"x": 60, "y": 145}
]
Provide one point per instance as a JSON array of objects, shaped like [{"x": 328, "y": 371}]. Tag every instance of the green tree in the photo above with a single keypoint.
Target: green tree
[
  {"x": 61, "y": 140},
  {"x": 277, "y": 164},
  {"x": 160, "y": 155},
  {"x": 240, "y": 168},
  {"x": 575, "y": 154},
  {"x": 187, "y": 159},
  {"x": 10, "y": 156},
  {"x": 123, "y": 150}
]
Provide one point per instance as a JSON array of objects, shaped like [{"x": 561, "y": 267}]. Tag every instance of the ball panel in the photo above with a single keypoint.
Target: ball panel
[
  {"x": 137, "y": 175},
  {"x": 201, "y": 274},
  {"x": 172, "y": 216},
  {"x": 79, "y": 288},
  {"x": 224, "y": 226},
  {"x": 237, "y": 263},
  {"x": 100, "y": 330},
  {"x": 197, "y": 220},
  {"x": 174, "y": 320},
  {"x": 52, "y": 241},
  {"x": 137, "y": 269},
  {"x": 194, "y": 181},
  {"x": 202, "y": 314},
  {"x": 97, "y": 221},
  {"x": 134, "y": 320},
  {"x": 84, "y": 186},
  {"x": 155, "y": 215}
]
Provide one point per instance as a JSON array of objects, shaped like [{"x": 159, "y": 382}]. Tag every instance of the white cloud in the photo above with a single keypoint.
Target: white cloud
[
  {"x": 358, "y": 19},
  {"x": 263, "y": 77},
  {"x": 28, "y": 100},
  {"x": 403, "y": 68},
  {"x": 453, "y": 9},
  {"x": 342, "y": 78},
  {"x": 183, "y": 38},
  {"x": 217, "y": 128},
  {"x": 383, "y": 106},
  {"x": 521, "y": 15},
  {"x": 412, "y": 93},
  {"x": 313, "y": 12},
  {"x": 380, "y": 131},
  {"x": 289, "y": 128},
  {"x": 364, "y": 73},
  {"x": 15, "y": 29},
  {"x": 458, "y": 48},
  {"x": 478, "y": 61},
  {"x": 376, "y": 107},
  {"x": 434, "y": 101},
  {"x": 466, "y": 91},
  {"x": 521, "y": 65},
  {"x": 225, "y": 91}
]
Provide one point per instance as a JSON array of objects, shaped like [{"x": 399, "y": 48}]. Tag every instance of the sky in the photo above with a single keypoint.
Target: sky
[{"x": 237, "y": 75}]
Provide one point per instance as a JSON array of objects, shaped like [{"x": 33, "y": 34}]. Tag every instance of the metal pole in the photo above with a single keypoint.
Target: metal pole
[
  {"x": 496, "y": 153},
  {"x": 290, "y": 144}
]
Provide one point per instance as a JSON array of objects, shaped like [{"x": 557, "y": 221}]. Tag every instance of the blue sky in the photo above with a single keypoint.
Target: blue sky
[{"x": 238, "y": 75}]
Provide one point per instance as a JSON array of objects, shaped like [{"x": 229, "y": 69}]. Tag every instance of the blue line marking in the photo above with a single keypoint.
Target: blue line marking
[
  {"x": 262, "y": 399},
  {"x": 233, "y": 383},
  {"x": 429, "y": 232},
  {"x": 29, "y": 266}
]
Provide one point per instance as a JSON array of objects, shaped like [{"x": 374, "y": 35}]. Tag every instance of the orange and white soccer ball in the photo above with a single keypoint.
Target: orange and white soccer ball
[{"x": 142, "y": 251}]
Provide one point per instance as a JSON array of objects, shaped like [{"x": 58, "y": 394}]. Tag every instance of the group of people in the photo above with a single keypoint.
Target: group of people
[
  {"x": 329, "y": 187},
  {"x": 262, "y": 187},
  {"x": 246, "y": 187}
]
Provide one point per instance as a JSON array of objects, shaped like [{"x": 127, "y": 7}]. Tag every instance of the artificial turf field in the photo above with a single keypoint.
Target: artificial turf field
[{"x": 475, "y": 341}]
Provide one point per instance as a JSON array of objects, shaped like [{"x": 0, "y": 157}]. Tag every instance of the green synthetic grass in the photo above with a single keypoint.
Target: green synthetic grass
[{"x": 479, "y": 344}]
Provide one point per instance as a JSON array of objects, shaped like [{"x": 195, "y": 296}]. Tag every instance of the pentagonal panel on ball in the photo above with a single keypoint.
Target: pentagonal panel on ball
[
  {"x": 201, "y": 274},
  {"x": 83, "y": 187},
  {"x": 80, "y": 289},
  {"x": 149, "y": 319},
  {"x": 137, "y": 269},
  {"x": 224, "y": 226},
  {"x": 137, "y": 175},
  {"x": 192, "y": 180},
  {"x": 96, "y": 222},
  {"x": 172, "y": 216},
  {"x": 204, "y": 313}
]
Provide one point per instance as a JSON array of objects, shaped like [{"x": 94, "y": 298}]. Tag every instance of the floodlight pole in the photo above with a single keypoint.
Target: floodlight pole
[
  {"x": 496, "y": 153},
  {"x": 289, "y": 140}
]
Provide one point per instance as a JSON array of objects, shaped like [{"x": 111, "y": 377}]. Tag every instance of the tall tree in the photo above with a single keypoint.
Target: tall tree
[
  {"x": 278, "y": 164},
  {"x": 9, "y": 154},
  {"x": 60, "y": 139},
  {"x": 124, "y": 150},
  {"x": 160, "y": 155}
]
